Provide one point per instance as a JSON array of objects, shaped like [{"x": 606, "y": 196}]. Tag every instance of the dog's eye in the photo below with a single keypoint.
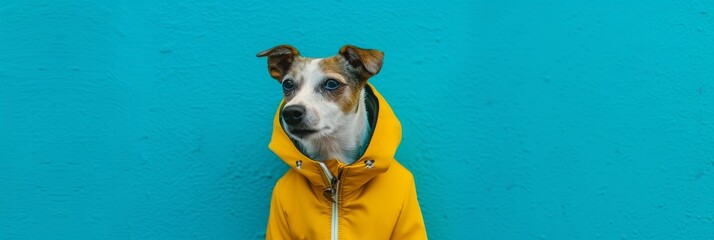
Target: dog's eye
[
  {"x": 332, "y": 84},
  {"x": 288, "y": 85}
]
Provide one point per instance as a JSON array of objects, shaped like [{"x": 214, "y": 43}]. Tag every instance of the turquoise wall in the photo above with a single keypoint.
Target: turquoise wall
[{"x": 522, "y": 119}]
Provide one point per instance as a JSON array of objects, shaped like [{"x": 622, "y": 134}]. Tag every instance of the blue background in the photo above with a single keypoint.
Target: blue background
[{"x": 522, "y": 119}]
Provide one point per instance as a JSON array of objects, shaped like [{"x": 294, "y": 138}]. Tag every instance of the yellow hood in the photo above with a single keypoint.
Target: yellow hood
[
  {"x": 368, "y": 200},
  {"x": 385, "y": 139}
]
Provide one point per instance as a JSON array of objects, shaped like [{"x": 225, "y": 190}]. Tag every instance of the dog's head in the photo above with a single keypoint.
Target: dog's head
[{"x": 320, "y": 93}]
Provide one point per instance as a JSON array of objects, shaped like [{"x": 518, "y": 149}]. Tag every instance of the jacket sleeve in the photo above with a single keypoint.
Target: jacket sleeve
[
  {"x": 410, "y": 224},
  {"x": 277, "y": 224}
]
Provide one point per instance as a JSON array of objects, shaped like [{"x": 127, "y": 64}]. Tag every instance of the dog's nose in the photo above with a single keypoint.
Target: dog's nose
[{"x": 293, "y": 114}]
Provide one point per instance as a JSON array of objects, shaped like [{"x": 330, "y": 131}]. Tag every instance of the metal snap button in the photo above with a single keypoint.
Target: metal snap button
[{"x": 369, "y": 163}]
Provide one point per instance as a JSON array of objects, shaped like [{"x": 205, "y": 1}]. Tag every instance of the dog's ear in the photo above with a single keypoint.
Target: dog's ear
[
  {"x": 368, "y": 61},
  {"x": 280, "y": 58}
]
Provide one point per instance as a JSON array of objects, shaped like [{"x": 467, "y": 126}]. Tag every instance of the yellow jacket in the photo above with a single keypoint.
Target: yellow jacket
[{"x": 375, "y": 196}]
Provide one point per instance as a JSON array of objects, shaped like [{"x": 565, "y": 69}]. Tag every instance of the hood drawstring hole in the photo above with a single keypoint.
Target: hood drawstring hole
[
  {"x": 298, "y": 164},
  {"x": 369, "y": 163}
]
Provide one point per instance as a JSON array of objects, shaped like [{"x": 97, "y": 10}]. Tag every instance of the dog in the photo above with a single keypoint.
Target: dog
[{"x": 339, "y": 136}]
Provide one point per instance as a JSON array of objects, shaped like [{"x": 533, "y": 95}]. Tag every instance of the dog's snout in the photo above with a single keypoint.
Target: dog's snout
[{"x": 293, "y": 114}]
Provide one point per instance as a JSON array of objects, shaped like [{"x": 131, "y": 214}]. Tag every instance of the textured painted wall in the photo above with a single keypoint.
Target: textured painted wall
[{"x": 522, "y": 119}]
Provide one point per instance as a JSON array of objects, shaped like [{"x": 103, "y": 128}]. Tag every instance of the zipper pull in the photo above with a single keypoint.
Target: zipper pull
[{"x": 330, "y": 191}]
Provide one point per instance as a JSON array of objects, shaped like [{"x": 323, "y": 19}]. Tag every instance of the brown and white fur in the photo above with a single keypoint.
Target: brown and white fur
[{"x": 325, "y": 121}]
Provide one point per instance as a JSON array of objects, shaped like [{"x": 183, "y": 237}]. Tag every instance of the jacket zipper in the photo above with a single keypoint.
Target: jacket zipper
[{"x": 335, "y": 186}]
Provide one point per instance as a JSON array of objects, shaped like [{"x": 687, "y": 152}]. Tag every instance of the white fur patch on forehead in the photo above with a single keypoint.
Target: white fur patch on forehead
[
  {"x": 305, "y": 69},
  {"x": 309, "y": 76},
  {"x": 312, "y": 72}
]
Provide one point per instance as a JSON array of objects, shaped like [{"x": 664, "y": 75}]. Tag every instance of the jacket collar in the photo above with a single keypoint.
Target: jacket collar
[{"x": 378, "y": 156}]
